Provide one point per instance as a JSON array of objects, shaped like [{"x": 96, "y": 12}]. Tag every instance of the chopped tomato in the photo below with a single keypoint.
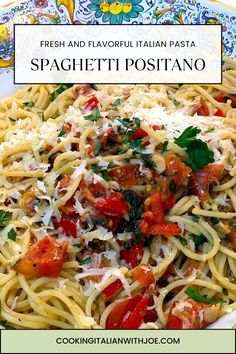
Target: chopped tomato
[
  {"x": 82, "y": 90},
  {"x": 151, "y": 315},
  {"x": 128, "y": 314},
  {"x": 219, "y": 113},
  {"x": 127, "y": 175},
  {"x": 138, "y": 134},
  {"x": 201, "y": 180},
  {"x": 112, "y": 290},
  {"x": 176, "y": 169},
  {"x": 90, "y": 191},
  {"x": 69, "y": 207},
  {"x": 224, "y": 98},
  {"x": 153, "y": 209},
  {"x": 43, "y": 259},
  {"x": 66, "y": 226},
  {"x": 136, "y": 253},
  {"x": 144, "y": 275},
  {"x": 163, "y": 184},
  {"x": 232, "y": 239},
  {"x": 201, "y": 108},
  {"x": 67, "y": 127},
  {"x": 169, "y": 203},
  {"x": 191, "y": 266},
  {"x": 112, "y": 204},
  {"x": 64, "y": 183},
  {"x": 187, "y": 314},
  {"x": 91, "y": 104},
  {"x": 156, "y": 127},
  {"x": 164, "y": 230}
]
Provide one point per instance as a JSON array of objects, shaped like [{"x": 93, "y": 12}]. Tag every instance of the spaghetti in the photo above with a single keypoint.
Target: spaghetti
[{"x": 118, "y": 205}]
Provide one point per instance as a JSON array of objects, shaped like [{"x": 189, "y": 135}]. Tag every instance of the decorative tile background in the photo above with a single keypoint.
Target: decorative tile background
[{"x": 114, "y": 12}]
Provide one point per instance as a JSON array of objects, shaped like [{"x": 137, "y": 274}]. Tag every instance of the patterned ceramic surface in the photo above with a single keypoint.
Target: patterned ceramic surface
[{"x": 113, "y": 12}]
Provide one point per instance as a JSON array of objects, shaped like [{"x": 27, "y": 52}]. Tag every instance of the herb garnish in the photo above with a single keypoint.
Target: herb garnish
[
  {"x": 94, "y": 87},
  {"x": 117, "y": 102},
  {"x": 5, "y": 216},
  {"x": 183, "y": 241},
  {"x": 97, "y": 147},
  {"x": 85, "y": 261},
  {"x": 12, "y": 119},
  {"x": 58, "y": 91},
  {"x": 5, "y": 325},
  {"x": 28, "y": 104},
  {"x": 12, "y": 235},
  {"x": 176, "y": 103},
  {"x": 94, "y": 116},
  {"x": 77, "y": 245},
  {"x": 195, "y": 295},
  {"x": 147, "y": 160},
  {"x": 199, "y": 240},
  {"x": 164, "y": 147},
  {"x": 62, "y": 133},
  {"x": 198, "y": 151}
]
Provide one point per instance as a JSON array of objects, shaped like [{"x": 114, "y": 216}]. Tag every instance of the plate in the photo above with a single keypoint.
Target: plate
[{"x": 112, "y": 12}]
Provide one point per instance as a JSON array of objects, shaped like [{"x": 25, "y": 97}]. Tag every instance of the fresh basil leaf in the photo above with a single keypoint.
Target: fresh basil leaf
[
  {"x": 85, "y": 261},
  {"x": 5, "y": 216},
  {"x": 187, "y": 136},
  {"x": 12, "y": 235},
  {"x": 196, "y": 296},
  {"x": 94, "y": 116}
]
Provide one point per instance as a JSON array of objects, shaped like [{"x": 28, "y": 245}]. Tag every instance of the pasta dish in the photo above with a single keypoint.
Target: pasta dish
[{"x": 118, "y": 205}]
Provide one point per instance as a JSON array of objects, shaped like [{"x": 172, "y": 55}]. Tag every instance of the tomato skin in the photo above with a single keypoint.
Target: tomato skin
[
  {"x": 156, "y": 127},
  {"x": 128, "y": 314},
  {"x": 169, "y": 203},
  {"x": 136, "y": 253},
  {"x": 201, "y": 108},
  {"x": 153, "y": 209},
  {"x": 164, "y": 230},
  {"x": 68, "y": 208},
  {"x": 82, "y": 90},
  {"x": 112, "y": 290},
  {"x": 201, "y": 180},
  {"x": 111, "y": 205},
  {"x": 189, "y": 318},
  {"x": 67, "y": 127},
  {"x": 144, "y": 275},
  {"x": 127, "y": 175},
  {"x": 91, "y": 104},
  {"x": 67, "y": 226},
  {"x": 177, "y": 169},
  {"x": 224, "y": 98},
  {"x": 138, "y": 134},
  {"x": 219, "y": 113},
  {"x": 91, "y": 191},
  {"x": 44, "y": 258}
]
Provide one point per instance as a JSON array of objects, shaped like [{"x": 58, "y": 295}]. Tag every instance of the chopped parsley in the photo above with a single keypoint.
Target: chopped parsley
[
  {"x": 196, "y": 296},
  {"x": 195, "y": 218},
  {"x": 199, "y": 240},
  {"x": 77, "y": 245},
  {"x": 117, "y": 102},
  {"x": 62, "y": 133},
  {"x": 164, "y": 147},
  {"x": 42, "y": 116},
  {"x": 5, "y": 325},
  {"x": 172, "y": 186},
  {"x": 176, "y": 103},
  {"x": 28, "y": 104},
  {"x": 225, "y": 291},
  {"x": 58, "y": 91},
  {"x": 12, "y": 235},
  {"x": 135, "y": 212},
  {"x": 29, "y": 89},
  {"x": 94, "y": 116},
  {"x": 12, "y": 119},
  {"x": 5, "y": 216},
  {"x": 97, "y": 147},
  {"x": 183, "y": 241},
  {"x": 198, "y": 151},
  {"x": 147, "y": 160},
  {"x": 137, "y": 121},
  {"x": 85, "y": 261}
]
